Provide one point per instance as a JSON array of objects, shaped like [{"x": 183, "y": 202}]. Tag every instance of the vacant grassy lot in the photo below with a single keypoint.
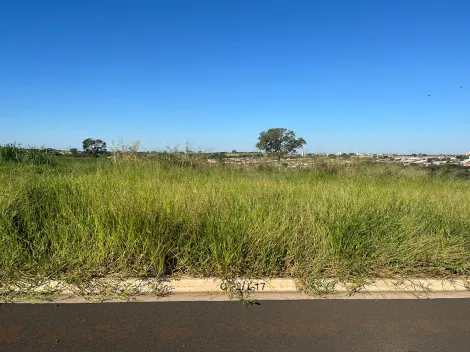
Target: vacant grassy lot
[{"x": 148, "y": 217}]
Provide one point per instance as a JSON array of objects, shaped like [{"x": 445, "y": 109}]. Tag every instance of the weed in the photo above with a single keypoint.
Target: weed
[{"x": 172, "y": 213}]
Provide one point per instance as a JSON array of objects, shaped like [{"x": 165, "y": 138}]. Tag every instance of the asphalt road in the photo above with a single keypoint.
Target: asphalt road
[{"x": 316, "y": 325}]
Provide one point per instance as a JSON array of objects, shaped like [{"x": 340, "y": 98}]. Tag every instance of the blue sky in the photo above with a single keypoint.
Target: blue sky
[{"x": 345, "y": 75}]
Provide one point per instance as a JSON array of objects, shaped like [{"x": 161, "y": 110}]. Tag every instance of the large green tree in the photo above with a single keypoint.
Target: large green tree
[
  {"x": 94, "y": 146},
  {"x": 279, "y": 141}
]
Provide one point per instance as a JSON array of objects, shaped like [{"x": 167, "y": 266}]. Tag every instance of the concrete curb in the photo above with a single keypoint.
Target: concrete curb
[
  {"x": 210, "y": 289},
  {"x": 290, "y": 285}
]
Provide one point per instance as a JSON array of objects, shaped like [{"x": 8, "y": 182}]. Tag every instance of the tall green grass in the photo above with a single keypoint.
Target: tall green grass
[
  {"x": 17, "y": 154},
  {"x": 160, "y": 217}
]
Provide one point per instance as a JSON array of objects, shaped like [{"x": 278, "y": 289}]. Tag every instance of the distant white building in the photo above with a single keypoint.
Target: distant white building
[{"x": 467, "y": 153}]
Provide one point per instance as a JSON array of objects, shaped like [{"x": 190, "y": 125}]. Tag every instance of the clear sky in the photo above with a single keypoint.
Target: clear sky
[{"x": 345, "y": 75}]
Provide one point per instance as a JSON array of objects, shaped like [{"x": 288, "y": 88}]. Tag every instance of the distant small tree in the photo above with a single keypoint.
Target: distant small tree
[
  {"x": 279, "y": 141},
  {"x": 94, "y": 146},
  {"x": 74, "y": 151},
  {"x": 234, "y": 151}
]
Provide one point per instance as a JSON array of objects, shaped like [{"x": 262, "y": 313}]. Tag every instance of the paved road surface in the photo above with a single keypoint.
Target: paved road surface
[{"x": 318, "y": 325}]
